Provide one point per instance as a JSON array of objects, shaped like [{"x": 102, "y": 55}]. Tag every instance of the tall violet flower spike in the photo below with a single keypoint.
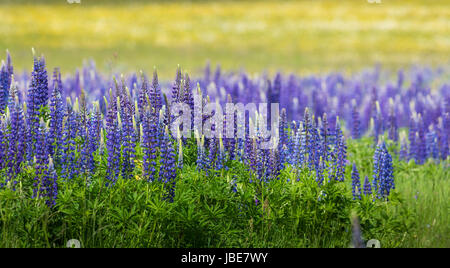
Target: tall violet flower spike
[
  {"x": 167, "y": 172},
  {"x": 341, "y": 152},
  {"x": 356, "y": 183},
  {"x": 16, "y": 135},
  {"x": 367, "y": 186},
  {"x": 149, "y": 144},
  {"x": 356, "y": 122},
  {"x": 56, "y": 119}
]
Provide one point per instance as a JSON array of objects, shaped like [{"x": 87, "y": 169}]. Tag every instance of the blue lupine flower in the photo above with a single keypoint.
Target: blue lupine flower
[
  {"x": 383, "y": 180},
  {"x": 180, "y": 154},
  {"x": 56, "y": 119},
  {"x": 356, "y": 183},
  {"x": 112, "y": 143},
  {"x": 201, "y": 155},
  {"x": 68, "y": 161},
  {"x": 319, "y": 171},
  {"x": 356, "y": 122},
  {"x": 41, "y": 162},
  {"x": 220, "y": 156},
  {"x": 149, "y": 144},
  {"x": 93, "y": 137},
  {"x": 403, "y": 154},
  {"x": 392, "y": 122},
  {"x": 176, "y": 88},
  {"x": 212, "y": 154},
  {"x": 431, "y": 144},
  {"x": 6, "y": 72},
  {"x": 421, "y": 146},
  {"x": 378, "y": 123},
  {"x": 16, "y": 136},
  {"x": 387, "y": 182},
  {"x": 367, "y": 186},
  {"x": 341, "y": 153},
  {"x": 167, "y": 172},
  {"x": 2, "y": 143},
  {"x": 41, "y": 83},
  {"x": 325, "y": 134},
  {"x": 128, "y": 139},
  {"x": 377, "y": 162},
  {"x": 155, "y": 93},
  {"x": 283, "y": 132},
  {"x": 50, "y": 185},
  {"x": 144, "y": 94},
  {"x": 412, "y": 138}
]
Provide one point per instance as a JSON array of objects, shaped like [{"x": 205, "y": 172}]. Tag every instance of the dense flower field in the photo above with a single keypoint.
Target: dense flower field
[{"x": 98, "y": 135}]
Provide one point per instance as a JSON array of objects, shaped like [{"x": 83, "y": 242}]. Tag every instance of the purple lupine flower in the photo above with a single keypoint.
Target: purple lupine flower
[
  {"x": 251, "y": 155},
  {"x": 167, "y": 172},
  {"x": 17, "y": 133},
  {"x": 201, "y": 155},
  {"x": 392, "y": 122},
  {"x": 56, "y": 118},
  {"x": 299, "y": 148},
  {"x": 274, "y": 165},
  {"x": 2, "y": 143},
  {"x": 307, "y": 130},
  {"x": 144, "y": 93},
  {"x": 6, "y": 71},
  {"x": 220, "y": 163},
  {"x": 68, "y": 143},
  {"x": 319, "y": 171},
  {"x": 356, "y": 183},
  {"x": 445, "y": 136},
  {"x": 260, "y": 156},
  {"x": 41, "y": 83},
  {"x": 149, "y": 144},
  {"x": 93, "y": 137},
  {"x": 387, "y": 169},
  {"x": 421, "y": 145},
  {"x": 341, "y": 152},
  {"x": 412, "y": 138},
  {"x": 50, "y": 184},
  {"x": 128, "y": 139},
  {"x": 282, "y": 144},
  {"x": 113, "y": 141},
  {"x": 356, "y": 122},
  {"x": 367, "y": 186},
  {"x": 403, "y": 154},
  {"x": 325, "y": 133},
  {"x": 32, "y": 108},
  {"x": 180, "y": 155},
  {"x": 230, "y": 142},
  {"x": 176, "y": 88},
  {"x": 377, "y": 162},
  {"x": 316, "y": 147},
  {"x": 378, "y": 123},
  {"x": 41, "y": 162},
  {"x": 217, "y": 75},
  {"x": 273, "y": 95},
  {"x": 431, "y": 144},
  {"x": 155, "y": 93},
  {"x": 212, "y": 154},
  {"x": 383, "y": 181}
]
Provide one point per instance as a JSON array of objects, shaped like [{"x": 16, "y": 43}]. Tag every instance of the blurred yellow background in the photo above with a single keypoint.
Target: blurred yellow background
[{"x": 301, "y": 36}]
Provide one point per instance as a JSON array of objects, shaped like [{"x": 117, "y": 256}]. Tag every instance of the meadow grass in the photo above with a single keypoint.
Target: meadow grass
[
  {"x": 207, "y": 212},
  {"x": 300, "y": 36}
]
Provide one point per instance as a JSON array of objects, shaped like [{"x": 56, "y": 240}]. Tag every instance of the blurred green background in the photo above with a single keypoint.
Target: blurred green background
[{"x": 300, "y": 36}]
